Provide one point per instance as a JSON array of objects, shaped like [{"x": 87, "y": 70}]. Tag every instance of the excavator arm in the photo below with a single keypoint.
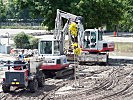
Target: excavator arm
[{"x": 61, "y": 31}]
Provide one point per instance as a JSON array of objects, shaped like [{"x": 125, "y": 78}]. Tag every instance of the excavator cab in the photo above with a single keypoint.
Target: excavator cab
[
  {"x": 49, "y": 47},
  {"x": 96, "y": 42},
  {"x": 46, "y": 47},
  {"x": 91, "y": 38},
  {"x": 53, "y": 59}
]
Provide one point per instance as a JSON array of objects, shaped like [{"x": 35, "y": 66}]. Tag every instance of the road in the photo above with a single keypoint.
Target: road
[{"x": 108, "y": 37}]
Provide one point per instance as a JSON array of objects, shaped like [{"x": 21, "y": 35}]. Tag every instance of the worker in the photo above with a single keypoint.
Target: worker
[
  {"x": 21, "y": 56},
  {"x": 86, "y": 43},
  {"x": 20, "y": 60},
  {"x": 48, "y": 48},
  {"x": 93, "y": 39},
  {"x": 12, "y": 51}
]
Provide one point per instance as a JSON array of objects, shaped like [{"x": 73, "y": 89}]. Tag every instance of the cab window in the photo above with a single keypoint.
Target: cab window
[
  {"x": 93, "y": 37},
  {"x": 86, "y": 39},
  {"x": 46, "y": 47},
  {"x": 56, "y": 47},
  {"x": 100, "y": 35}
]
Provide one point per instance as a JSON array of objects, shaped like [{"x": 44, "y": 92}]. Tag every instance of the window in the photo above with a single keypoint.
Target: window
[
  {"x": 46, "y": 47},
  {"x": 56, "y": 47},
  {"x": 93, "y": 37},
  {"x": 100, "y": 35},
  {"x": 87, "y": 39}
]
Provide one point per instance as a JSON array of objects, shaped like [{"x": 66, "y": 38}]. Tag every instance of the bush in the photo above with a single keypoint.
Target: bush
[{"x": 25, "y": 41}]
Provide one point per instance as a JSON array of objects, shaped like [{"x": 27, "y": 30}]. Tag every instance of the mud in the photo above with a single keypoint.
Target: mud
[{"x": 93, "y": 82}]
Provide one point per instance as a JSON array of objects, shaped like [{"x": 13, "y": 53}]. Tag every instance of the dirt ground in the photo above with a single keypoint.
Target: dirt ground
[{"x": 93, "y": 82}]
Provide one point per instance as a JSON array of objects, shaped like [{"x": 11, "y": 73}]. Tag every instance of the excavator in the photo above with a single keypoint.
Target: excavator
[
  {"x": 94, "y": 48},
  {"x": 56, "y": 56}
]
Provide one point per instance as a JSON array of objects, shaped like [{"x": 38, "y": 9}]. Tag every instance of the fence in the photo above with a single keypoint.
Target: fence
[{"x": 21, "y": 22}]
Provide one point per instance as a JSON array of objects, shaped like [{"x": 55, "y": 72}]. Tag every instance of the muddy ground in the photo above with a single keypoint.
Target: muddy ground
[{"x": 94, "y": 82}]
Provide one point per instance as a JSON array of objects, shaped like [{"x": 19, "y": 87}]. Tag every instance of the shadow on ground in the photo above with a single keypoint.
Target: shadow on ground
[
  {"x": 120, "y": 62},
  {"x": 26, "y": 93}
]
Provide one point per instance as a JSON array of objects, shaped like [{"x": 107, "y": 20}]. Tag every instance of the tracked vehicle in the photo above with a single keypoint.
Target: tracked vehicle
[{"x": 94, "y": 48}]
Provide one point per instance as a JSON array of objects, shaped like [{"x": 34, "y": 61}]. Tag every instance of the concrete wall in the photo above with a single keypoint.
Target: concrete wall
[{"x": 5, "y": 49}]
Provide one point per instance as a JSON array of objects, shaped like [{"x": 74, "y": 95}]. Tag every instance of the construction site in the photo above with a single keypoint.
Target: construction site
[
  {"x": 71, "y": 64},
  {"x": 94, "y": 82}
]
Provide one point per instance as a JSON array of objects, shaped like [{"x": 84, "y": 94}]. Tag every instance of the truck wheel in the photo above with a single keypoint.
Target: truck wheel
[
  {"x": 40, "y": 78},
  {"x": 33, "y": 85},
  {"x": 5, "y": 88}
]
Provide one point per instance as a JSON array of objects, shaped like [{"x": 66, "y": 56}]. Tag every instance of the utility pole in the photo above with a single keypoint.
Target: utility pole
[{"x": 8, "y": 37}]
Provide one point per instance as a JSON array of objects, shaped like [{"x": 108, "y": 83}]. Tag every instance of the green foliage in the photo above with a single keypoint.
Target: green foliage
[
  {"x": 25, "y": 41},
  {"x": 2, "y": 11},
  {"x": 46, "y": 9},
  {"x": 21, "y": 40},
  {"x": 96, "y": 13},
  {"x": 34, "y": 43},
  {"x": 12, "y": 9},
  {"x": 126, "y": 24}
]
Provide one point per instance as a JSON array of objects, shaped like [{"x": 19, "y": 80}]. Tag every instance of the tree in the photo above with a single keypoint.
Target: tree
[
  {"x": 2, "y": 11},
  {"x": 21, "y": 40},
  {"x": 45, "y": 9},
  {"x": 33, "y": 43},
  {"x": 95, "y": 12},
  {"x": 25, "y": 41},
  {"x": 126, "y": 24},
  {"x": 12, "y": 10}
]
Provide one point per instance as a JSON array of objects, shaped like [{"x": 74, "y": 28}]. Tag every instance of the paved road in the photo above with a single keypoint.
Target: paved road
[
  {"x": 15, "y": 31},
  {"x": 118, "y": 39}
]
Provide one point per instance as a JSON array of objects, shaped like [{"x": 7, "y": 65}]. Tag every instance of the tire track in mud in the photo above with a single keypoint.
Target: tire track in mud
[
  {"x": 118, "y": 92},
  {"x": 105, "y": 84},
  {"x": 21, "y": 94},
  {"x": 50, "y": 94},
  {"x": 101, "y": 86}
]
